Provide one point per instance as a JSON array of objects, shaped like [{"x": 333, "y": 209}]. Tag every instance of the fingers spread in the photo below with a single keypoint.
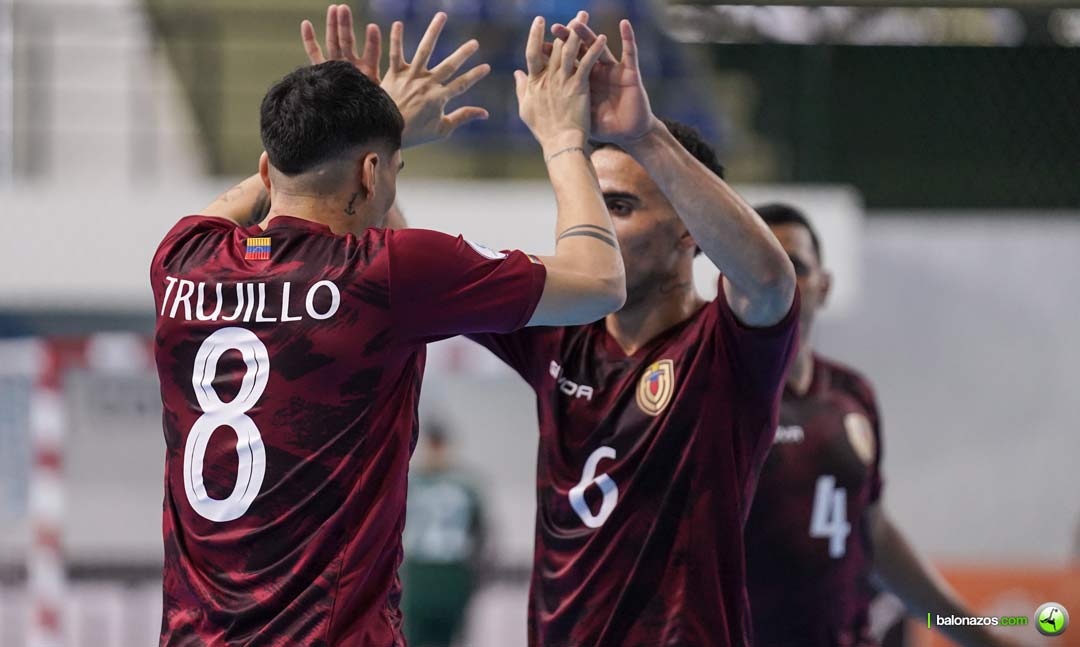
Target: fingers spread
[
  {"x": 570, "y": 53},
  {"x": 372, "y": 55},
  {"x": 346, "y": 35},
  {"x": 311, "y": 43},
  {"x": 556, "y": 55},
  {"x": 453, "y": 63},
  {"x": 462, "y": 116},
  {"x": 591, "y": 57},
  {"x": 534, "y": 56},
  {"x": 629, "y": 44},
  {"x": 333, "y": 50},
  {"x": 588, "y": 37},
  {"x": 397, "y": 51},
  {"x": 462, "y": 84},
  {"x": 427, "y": 43}
]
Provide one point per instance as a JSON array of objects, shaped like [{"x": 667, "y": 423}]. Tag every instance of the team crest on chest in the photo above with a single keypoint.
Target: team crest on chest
[{"x": 656, "y": 387}]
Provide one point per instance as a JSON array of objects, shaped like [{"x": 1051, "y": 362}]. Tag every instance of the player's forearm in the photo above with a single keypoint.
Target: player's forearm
[
  {"x": 586, "y": 245},
  {"x": 246, "y": 203},
  {"x": 921, "y": 587},
  {"x": 727, "y": 229}
]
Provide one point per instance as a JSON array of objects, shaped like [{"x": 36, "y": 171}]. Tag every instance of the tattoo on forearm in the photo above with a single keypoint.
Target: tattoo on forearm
[
  {"x": 232, "y": 194},
  {"x": 349, "y": 210},
  {"x": 592, "y": 231},
  {"x": 568, "y": 149}
]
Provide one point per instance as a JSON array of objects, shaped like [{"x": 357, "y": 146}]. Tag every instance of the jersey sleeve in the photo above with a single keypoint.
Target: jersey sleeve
[
  {"x": 441, "y": 286},
  {"x": 759, "y": 357},
  {"x": 192, "y": 241},
  {"x": 521, "y": 350}
]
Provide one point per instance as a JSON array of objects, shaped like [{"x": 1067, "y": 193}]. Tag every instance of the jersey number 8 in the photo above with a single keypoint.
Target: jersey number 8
[{"x": 232, "y": 414}]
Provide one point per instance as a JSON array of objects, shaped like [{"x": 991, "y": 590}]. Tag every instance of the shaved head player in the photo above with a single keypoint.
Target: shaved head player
[
  {"x": 817, "y": 530},
  {"x": 654, "y": 420},
  {"x": 290, "y": 354}
]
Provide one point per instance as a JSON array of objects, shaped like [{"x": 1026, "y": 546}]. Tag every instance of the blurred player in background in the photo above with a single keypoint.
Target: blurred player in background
[
  {"x": 817, "y": 529},
  {"x": 290, "y": 364},
  {"x": 655, "y": 420},
  {"x": 444, "y": 537}
]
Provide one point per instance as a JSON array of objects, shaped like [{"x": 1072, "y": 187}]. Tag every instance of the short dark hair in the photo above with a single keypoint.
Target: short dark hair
[
  {"x": 318, "y": 112},
  {"x": 784, "y": 214},
  {"x": 691, "y": 140}
]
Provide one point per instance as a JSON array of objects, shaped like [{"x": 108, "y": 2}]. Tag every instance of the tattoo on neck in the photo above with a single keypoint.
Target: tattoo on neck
[
  {"x": 349, "y": 210},
  {"x": 261, "y": 208}
]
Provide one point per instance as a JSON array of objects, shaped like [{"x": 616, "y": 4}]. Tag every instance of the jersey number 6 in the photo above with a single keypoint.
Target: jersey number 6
[
  {"x": 603, "y": 481},
  {"x": 232, "y": 414}
]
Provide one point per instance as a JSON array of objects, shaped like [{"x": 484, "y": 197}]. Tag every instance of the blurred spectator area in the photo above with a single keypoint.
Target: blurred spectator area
[{"x": 152, "y": 89}]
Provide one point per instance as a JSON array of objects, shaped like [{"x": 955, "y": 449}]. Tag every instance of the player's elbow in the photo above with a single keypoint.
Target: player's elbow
[
  {"x": 770, "y": 298},
  {"x": 598, "y": 297},
  {"x": 610, "y": 292}
]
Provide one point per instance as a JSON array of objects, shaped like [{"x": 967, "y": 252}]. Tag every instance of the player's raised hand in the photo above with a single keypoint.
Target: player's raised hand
[
  {"x": 341, "y": 42},
  {"x": 553, "y": 97},
  {"x": 618, "y": 100},
  {"x": 422, "y": 93}
]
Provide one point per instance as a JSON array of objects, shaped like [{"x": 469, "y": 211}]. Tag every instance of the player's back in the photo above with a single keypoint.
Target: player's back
[{"x": 290, "y": 376}]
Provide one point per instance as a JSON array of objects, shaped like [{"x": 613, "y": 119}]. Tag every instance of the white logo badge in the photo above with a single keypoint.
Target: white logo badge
[{"x": 485, "y": 252}]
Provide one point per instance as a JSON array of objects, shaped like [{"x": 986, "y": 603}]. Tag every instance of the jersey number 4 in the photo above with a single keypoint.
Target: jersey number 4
[
  {"x": 829, "y": 517},
  {"x": 231, "y": 414}
]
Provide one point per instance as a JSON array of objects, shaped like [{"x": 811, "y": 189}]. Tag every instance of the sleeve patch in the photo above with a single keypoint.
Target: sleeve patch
[{"x": 484, "y": 251}]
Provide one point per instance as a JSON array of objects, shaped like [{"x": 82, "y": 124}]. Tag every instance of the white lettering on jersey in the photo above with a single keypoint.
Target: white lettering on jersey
[
  {"x": 253, "y": 300},
  {"x": 569, "y": 387},
  {"x": 789, "y": 434}
]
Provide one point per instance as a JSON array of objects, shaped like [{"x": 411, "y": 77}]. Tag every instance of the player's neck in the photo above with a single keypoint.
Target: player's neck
[
  {"x": 641, "y": 320},
  {"x": 338, "y": 213},
  {"x": 801, "y": 374}
]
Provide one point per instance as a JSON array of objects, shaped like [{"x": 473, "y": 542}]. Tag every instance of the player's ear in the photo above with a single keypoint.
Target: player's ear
[
  {"x": 369, "y": 167},
  {"x": 264, "y": 170},
  {"x": 826, "y": 285},
  {"x": 687, "y": 243}
]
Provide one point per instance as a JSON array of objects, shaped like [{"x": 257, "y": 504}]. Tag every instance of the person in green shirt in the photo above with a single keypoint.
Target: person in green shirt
[{"x": 444, "y": 534}]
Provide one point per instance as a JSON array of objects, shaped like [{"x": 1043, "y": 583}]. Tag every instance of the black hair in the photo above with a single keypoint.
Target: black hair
[
  {"x": 691, "y": 140},
  {"x": 784, "y": 214},
  {"x": 318, "y": 112}
]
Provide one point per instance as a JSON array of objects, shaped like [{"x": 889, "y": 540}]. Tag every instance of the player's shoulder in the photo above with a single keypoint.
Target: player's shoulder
[
  {"x": 429, "y": 243},
  {"x": 196, "y": 224},
  {"x": 847, "y": 380},
  {"x": 193, "y": 230}
]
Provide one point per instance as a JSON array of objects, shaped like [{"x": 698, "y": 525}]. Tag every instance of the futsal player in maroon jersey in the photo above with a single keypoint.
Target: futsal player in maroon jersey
[
  {"x": 654, "y": 420},
  {"x": 817, "y": 530},
  {"x": 290, "y": 354}
]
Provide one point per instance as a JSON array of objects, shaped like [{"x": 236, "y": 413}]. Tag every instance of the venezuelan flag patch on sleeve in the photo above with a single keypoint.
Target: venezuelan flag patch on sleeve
[{"x": 258, "y": 249}]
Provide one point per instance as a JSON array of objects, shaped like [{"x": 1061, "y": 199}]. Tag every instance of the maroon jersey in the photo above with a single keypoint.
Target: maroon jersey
[
  {"x": 645, "y": 471},
  {"x": 808, "y": 556},
  {"x": 290, "y": 364}
]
